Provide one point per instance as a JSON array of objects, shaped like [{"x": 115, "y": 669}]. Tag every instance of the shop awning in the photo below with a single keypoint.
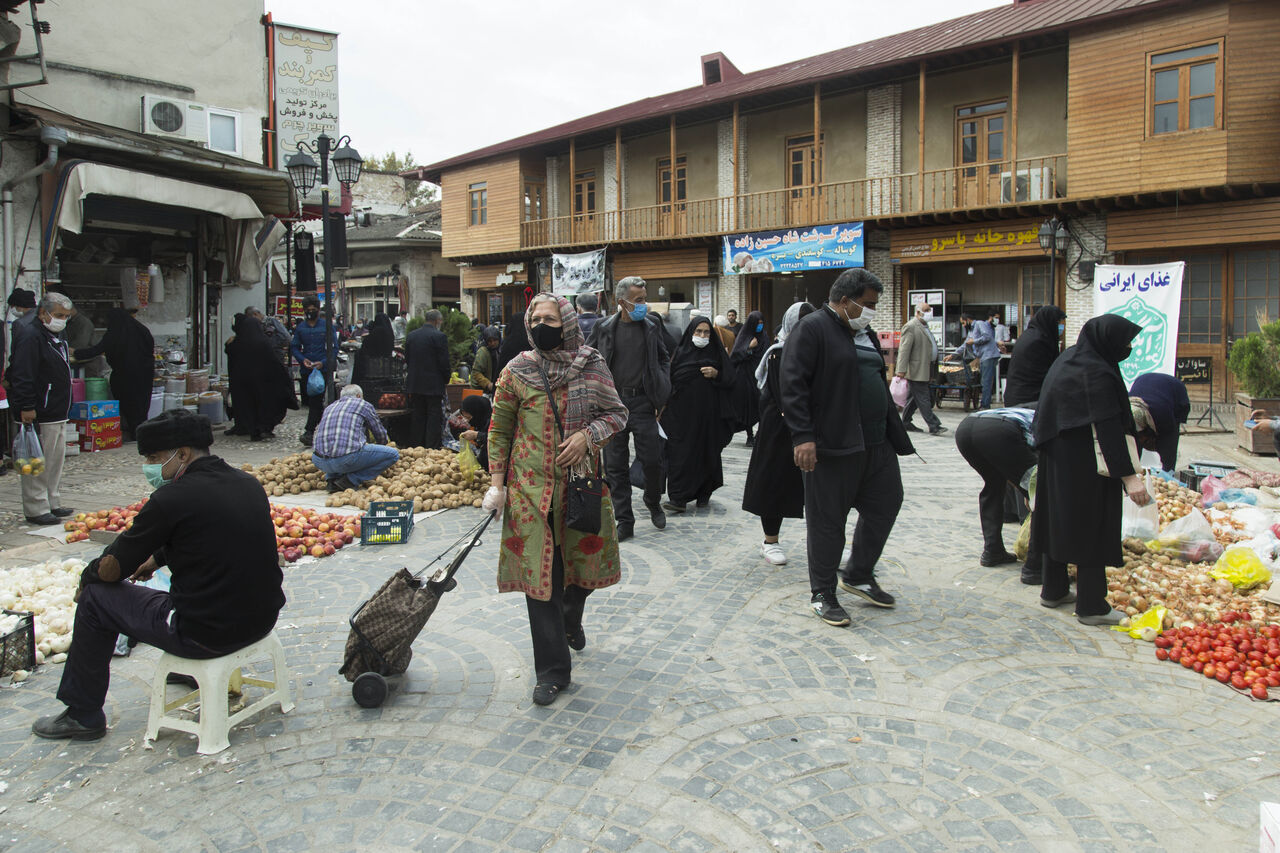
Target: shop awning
[{"x": 83, "y": 179}]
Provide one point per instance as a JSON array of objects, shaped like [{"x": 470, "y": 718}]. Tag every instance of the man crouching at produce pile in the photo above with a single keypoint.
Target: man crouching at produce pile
[
  {"x": 339, "y": 448},
  {"x": 226, "y": 590}
]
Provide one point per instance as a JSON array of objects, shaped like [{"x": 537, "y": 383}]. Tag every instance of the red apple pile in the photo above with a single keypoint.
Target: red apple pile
[
  {"x": 113, "y": 520},
  {"x": 308, "y": 533},
  {"x": 1235, "y": 651}
]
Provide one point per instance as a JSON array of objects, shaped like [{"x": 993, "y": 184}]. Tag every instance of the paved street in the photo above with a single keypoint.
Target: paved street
[{"x": 710, "y": 711}]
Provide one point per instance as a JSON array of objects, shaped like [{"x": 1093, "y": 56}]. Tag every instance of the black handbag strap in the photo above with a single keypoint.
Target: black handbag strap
[{"x": 555, "y": 410}]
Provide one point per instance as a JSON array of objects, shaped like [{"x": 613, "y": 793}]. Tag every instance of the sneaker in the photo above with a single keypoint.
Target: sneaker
[
  {"x": 937, "y": 430},
  {"x": 828, "y": 609},
  {"x": 305, "y": 439},
  {"x": 673, "y": 507},
  {"x": 1069, "y": 598},
  {"x": 996, "y": 559},
  {"x": 773, "y": 553},
  {"x": 63, "y": 512},
  {"x": 545, "y": 694},
  {"x": 912, "y": 428},
  {"x": 657, "y": 516},
  {"x": 871, "y": 592},
  {"x": 63, "y": 727},
  {"x": 625, "y": 532},
  {"x": 1112, "y": 618}
]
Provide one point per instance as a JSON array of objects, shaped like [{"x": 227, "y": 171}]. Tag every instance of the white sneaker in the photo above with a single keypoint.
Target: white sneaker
[{"x": 773, "y": 553}]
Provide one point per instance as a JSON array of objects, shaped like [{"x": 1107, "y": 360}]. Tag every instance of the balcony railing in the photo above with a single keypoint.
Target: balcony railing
[{"x": 973, "y": 185}]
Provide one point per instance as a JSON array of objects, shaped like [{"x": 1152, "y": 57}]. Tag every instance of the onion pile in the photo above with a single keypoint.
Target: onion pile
[
  {"x": 46, "y": 590},
  {"x": 1174, "y": 500}
]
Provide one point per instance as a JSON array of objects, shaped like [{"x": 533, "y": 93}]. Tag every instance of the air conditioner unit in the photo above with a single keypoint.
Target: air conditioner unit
[
  {"x": 164, "y": 116},
  {"x": 1033, "y": 185}
]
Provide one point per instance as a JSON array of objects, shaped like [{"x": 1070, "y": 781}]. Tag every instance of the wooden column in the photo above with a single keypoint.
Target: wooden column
[
  {"x": 1013, "y": 116},
  {"x": 617, "y": 173},
  {"x": 671, "y": 208},
  {"x": 573, "y": 181},
  {"x": 920, "y": 129}
]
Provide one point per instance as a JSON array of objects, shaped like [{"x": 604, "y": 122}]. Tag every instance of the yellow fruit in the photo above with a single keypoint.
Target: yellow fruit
[{"x": 26, "y": 469}]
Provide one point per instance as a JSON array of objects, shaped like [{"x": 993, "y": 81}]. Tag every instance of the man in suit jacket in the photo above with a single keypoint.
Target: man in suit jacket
[
  {"x": 426, "y": 356},
  {"x": 917, "y": 358}
]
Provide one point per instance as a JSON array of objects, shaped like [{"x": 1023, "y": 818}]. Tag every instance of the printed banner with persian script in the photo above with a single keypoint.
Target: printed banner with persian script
[
  {"x": 1151, "y": 296},
  {"x": 574, "y": 274},
  {"x": 793, "y": 250}
]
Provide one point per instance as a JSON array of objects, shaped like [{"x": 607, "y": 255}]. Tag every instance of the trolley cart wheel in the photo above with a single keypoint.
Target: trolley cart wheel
[{"x": 369, "y": 690}]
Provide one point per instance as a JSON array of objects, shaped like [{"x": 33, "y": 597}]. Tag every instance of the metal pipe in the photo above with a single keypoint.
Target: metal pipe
[{"x": 53, "y": 138}]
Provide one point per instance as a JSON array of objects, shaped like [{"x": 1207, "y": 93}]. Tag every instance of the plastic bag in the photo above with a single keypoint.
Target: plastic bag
[
  {"x": 28, "y": 456},
  {"x": 1241, "y": 566},
  {"x": 467, "y": 461},
  {"x": 1141, "y": 522},
  {"x": 1145, "y": 626},
  {"x": 1190, "y": 538},
  {"x": 899, "y": 390},
  {"x": 1210, "y": 489},
  {"x": 1237, "y": 496},
  {"x": 1250, "y": 520},
  {"x": 1023, "y": 545},
  {"x": 315, "y": 383}
]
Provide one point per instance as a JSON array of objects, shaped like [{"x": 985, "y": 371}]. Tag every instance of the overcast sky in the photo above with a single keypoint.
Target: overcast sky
[{"x": 445, "y": 78}]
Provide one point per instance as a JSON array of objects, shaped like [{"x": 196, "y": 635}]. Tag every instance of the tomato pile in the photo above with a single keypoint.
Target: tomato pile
[
  {"x": 113, "y": 520},
  {"x": 306, "y": 532},
  {"x": 1234, "y": 651}
]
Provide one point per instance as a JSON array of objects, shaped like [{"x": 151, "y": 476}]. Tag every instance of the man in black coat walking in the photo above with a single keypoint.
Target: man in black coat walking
[{"x": 426, "y": 356}]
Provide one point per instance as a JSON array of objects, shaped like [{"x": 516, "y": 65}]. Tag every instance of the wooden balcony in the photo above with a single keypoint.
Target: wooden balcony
[{"x": 979, "y": 185}]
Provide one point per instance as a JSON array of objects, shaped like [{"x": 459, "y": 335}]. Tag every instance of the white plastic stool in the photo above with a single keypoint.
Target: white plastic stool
[{"x": 215, "y": 676}]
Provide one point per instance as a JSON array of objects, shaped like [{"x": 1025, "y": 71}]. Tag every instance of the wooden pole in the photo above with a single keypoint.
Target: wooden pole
[
  {"x": 573, "y": 186},
  {"x": 617, "y": 172},
  {"x": 1013, "y": 118},
  {"x": 920, "y": 154},
  {"x": 671, "y": 206}
]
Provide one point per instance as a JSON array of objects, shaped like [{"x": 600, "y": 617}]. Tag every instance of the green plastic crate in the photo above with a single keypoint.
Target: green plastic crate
[{"x": 387, "y": 523}]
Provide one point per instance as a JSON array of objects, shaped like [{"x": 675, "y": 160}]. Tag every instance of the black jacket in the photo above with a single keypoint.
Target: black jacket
[
  {"x": 426, "y": 356},
  {"x": 820, "y": 388},
  {"x": 226, "y": 588},
  {"x": 657, "y": 364},
  {"x": 39, "y": 372}
]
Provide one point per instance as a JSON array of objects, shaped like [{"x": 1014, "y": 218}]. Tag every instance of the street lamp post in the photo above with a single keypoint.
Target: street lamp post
[
  {"x": 303, "y": 171},
  {"x": 1053, "y": 239}
]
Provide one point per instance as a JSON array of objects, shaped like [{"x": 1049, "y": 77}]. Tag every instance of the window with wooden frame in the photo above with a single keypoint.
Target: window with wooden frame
[
  {"x": 1257, "y": 288},
  {"x": 535, "y": 194},
  {"x": 584, "y": 193},
  {"x": 664, "y": 180},
  {"x": 804, "y": 163},
  {"x": 1184, "y": 89},
  {"x": 980, "y": 135},
  {"x": 478, "y": 204}
]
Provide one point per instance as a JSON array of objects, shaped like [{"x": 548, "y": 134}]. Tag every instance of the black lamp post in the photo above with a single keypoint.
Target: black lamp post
[
  {"x": 1053, "y": 239},
  {"x": 303, "y": 172}
]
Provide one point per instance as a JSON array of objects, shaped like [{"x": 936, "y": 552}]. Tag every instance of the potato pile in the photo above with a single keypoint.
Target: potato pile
[
  {"x": 1174, "y": 500},
  {"x": 429, "y": 478}
]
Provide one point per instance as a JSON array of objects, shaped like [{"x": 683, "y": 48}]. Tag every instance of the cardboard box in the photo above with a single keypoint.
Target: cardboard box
[
  {"x": 1269, "y": 831},
  {"x": 87, "y": 409},
  {"x": 94, "y": 443},
  {"x": 99, "y": 426}
]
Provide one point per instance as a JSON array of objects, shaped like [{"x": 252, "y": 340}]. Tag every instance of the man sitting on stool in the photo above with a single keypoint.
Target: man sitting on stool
[
  {"x": 339, "y": 448},
  {"x": 211, "y": 525}
]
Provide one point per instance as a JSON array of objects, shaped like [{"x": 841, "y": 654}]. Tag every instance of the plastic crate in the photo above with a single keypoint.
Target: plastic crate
[
  {"x": 1190, "y": 478},
  {"x": 387, "y": 523},
  {"x": 18, "y": 647}
]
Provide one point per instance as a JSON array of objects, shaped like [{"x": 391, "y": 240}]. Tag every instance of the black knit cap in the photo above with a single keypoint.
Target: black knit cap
[
  {"x": 22, "y": 298},
  {"x": 173, "y": 429}
]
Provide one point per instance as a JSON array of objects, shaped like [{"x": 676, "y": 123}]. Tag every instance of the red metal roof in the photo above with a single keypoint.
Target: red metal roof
[{"x": 993, "y": 26}]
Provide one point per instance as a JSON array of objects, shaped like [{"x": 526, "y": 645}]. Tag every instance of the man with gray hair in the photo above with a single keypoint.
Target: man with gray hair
[
  {"x": 339, "y": 448},
  {"x": 427, "y": 368},
  {"x": 634, "y": 346},
  {"x": 277, "y": 335},
  {"x": 40, "y": 395}
]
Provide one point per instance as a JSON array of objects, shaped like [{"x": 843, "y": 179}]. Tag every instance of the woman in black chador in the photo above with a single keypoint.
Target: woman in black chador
[
  {"x": 699, "y": 418},
  {"x": 748, "y": 349},
  {"x": 260, "y": 387}
]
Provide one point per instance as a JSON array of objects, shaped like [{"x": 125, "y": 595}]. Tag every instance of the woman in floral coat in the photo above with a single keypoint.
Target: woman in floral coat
[{"x": 530, "y": 460}]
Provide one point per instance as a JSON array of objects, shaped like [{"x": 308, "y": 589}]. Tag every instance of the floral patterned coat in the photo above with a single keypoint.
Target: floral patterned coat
[{"x": 522, "y": 444}]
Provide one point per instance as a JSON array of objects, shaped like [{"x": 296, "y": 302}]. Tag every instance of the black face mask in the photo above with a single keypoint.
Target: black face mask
[
  {"x": 311, "y": 315},
  {"x": 546, "y": 337}
]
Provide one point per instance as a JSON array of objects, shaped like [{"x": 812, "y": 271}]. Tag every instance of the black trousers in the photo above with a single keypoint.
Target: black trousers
[
  {"x": 314, "y": 404},
  {"x": 642, "y": 424},
  {"x": 869, "y": 482},
  {"x": 106, "y": 610},
  {"x": 921, "y": 399},
  {"x": 998, "y": 451},
  {"x": 550, "y": 623},
  {"x": 426, "y": 420}
]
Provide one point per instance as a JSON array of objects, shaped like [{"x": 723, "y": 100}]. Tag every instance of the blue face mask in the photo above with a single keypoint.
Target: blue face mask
[
  {"x": 639, "y": 311},
  {"x": 154, "y": 475},
  {"x": 760, "y": 327},
  {"x": 1061, "y": 328}
]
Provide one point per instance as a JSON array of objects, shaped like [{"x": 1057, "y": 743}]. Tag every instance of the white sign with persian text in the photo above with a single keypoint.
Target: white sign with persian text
[
  {"x": 1151, "y": 296},
  {"x": 304, "y": 80}
]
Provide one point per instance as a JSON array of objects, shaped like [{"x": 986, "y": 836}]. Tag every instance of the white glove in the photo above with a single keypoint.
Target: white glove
[{"x": 494, "y": 499}]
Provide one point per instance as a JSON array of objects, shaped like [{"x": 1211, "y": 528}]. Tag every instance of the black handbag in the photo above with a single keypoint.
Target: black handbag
[{"x": 583, "y": 495}]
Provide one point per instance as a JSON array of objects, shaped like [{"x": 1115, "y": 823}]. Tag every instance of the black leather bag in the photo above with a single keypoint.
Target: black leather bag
[{"x": 583, "y": 495}]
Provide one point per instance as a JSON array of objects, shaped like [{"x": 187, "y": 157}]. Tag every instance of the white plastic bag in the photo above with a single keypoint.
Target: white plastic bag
[
  {"x": 1189, "y": 538},
  {"x": 899, "y": 390},
  {"x": 1141, "y": 522}
]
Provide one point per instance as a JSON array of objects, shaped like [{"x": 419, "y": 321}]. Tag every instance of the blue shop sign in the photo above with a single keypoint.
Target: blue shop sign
[{"x": 794, "y": 250}]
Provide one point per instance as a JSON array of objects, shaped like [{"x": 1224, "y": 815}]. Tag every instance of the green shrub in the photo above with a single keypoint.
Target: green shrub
[{"x": 1255, "y": 360}]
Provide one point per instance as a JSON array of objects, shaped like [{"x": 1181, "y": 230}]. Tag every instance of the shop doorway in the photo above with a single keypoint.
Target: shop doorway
[{"x": 773, "y": 295}]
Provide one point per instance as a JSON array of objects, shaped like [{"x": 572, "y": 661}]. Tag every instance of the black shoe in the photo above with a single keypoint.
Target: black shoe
[
  {"x": 257, "y": 436},
  {"x": 63, "y": 512},
  {"x": 871, "y": 592},
  {"x": 305, "y": 439},
  {"x": 63, "y": 727},
  {"x": 235, "y": 430},
  {"x": 183, "y": 679},
  {"x": 704, "y": 503},
  {"x": 673, "y": 507},
  {"x": 1031, "y": 577},
  {"x": 657, "y": 516},
  {"x": 545, "y": 694},
  {"x": 828, "y": 609},
  {"x": 625, "y": 532},
  {"x": 937, "y": 430},
  {"x": 333, "y": 486},
  {"x": 577, "y": 639},
  {"x": 912, "y": 428},
  {"x": 997, "y": 559},
  {"x": 46, "y": 519}
]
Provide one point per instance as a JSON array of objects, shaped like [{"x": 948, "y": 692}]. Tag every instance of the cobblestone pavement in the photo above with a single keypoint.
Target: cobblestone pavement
[{"x": 709, "y": 711}]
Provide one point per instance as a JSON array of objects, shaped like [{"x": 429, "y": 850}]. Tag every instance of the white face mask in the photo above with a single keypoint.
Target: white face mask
[
  {"x": 56, "y": 324},
  {"x": 701, "y": 342},
  {"x": 926, "y": 316},
  {"x": 862, "y": 320}
]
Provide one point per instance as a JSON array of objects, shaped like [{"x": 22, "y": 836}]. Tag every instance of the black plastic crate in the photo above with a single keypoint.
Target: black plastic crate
[
  {"x": 387, "y": 523},
  {"x": 18, "y": 647},
  {"x": 1190, "y": 479}
]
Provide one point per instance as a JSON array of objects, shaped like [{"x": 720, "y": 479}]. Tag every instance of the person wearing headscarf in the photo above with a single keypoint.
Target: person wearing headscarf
[
  {"x": 1034, "y": 353},
  {"x": 514, "y": 341},
  {"x": 1166, "y": 406},
  {"x": 379, "y": 343},
  {"x": 532, "y": 454},
  {"x": 774, "y": 489},
  {"x": 482, "y": 368},
  {"x": 699, "y": 417},
  {"x": 130, "y": 350},
  {"x": 261, "y": 390},
  {"x": 748, "y": 350},
  {"x": 1083, "y": 405},
  {"x": 477, "y": 411},
  {"x": 727, "y": 337}
]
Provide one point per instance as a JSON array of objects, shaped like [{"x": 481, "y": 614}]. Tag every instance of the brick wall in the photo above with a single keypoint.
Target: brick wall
[
  {"x": 553, "y": 186},
  {"x": 1091, "y": 231},
  {"x": 876, "y": 251},
  {"x": 884, "y": 147}
]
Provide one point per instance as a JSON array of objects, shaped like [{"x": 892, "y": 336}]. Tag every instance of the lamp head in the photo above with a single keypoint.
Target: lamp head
[
  {"x": 303, "y": 171},
  {"x": 346, "y": 164}
]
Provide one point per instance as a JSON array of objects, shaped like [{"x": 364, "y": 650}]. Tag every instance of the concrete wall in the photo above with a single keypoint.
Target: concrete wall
[
  {"x": 381, "y": 193},
  {"x": 213, "y": 53},
  {"x": 698, "y": 144},
  {"x": 562, "y": 197}
]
